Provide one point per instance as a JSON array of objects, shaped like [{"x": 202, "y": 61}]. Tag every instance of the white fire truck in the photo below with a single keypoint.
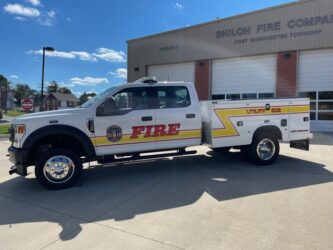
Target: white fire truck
[{"x": 128, "y": 121}]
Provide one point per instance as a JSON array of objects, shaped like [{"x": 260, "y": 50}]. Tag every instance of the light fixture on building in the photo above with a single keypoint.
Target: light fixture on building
[{"x": 287, "y": 56}]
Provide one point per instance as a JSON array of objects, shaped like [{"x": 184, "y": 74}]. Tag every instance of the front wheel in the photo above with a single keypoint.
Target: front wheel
[
  {"x": 264, "y": 149},
  {"x": 58, "y": 168}
]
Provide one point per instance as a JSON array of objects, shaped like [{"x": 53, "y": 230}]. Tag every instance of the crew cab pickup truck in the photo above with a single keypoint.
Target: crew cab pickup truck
[{"x": 126, "y": 122}]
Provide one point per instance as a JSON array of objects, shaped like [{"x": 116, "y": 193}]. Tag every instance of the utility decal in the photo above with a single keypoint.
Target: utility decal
[{"x": 229, "y": 129}]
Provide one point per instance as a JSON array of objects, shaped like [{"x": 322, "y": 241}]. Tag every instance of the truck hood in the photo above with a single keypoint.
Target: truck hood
[{"x": 51, "y": 115}]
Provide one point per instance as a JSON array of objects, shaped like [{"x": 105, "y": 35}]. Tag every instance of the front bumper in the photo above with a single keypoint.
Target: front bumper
[{"x": 18, "y": 156}]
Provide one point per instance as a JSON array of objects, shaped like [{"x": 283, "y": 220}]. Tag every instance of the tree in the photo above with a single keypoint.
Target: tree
[
  {"x": 86, "y": 96},
  {"x": 64, "y": 90},
  {"x": 4, "y": 82},
  {"x": 22, "y": 91},
  {"x": 52, "y": 87}
]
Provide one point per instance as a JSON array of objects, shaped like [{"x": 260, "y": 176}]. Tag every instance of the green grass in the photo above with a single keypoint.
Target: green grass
[
  {"x": 14, "y": 113},
  {"x": 4, "y": 129}
]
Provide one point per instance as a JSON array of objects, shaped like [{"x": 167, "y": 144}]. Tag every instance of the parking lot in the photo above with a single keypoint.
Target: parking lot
[{"x": 205, "y": 201}]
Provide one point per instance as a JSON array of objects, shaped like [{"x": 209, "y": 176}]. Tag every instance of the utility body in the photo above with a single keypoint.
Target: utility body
[{"x": 124, "y": 122}]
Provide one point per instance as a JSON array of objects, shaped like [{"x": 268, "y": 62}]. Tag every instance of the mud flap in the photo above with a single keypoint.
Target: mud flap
[{"x": 301, "y": 144}]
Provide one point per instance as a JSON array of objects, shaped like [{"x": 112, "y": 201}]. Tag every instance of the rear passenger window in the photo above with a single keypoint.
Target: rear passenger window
[{"x": 173, "y": 97}]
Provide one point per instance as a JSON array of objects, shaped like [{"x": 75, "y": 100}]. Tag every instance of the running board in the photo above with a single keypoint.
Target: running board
[{"x": 144, "y": 156}]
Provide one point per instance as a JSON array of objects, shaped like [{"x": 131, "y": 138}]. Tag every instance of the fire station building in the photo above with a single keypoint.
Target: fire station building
[{"x": 284, "y": 51}]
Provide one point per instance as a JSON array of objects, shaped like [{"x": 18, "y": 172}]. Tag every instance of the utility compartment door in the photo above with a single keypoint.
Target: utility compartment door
[
  {"x": 229, "y": 124},
  {"x": 177, "y": 117},
  {"x": 122, "y": 120}
]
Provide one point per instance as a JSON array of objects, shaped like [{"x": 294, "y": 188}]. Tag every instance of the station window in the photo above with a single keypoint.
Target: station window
[
  {"x": 249, "y": 96},
  {"x": 233, "y": 96},
  {"x": 321, "y": 104},
  {"x": 266, "y": 95},
  {"x": 218, "y": 97},
  {"x": 242, "y": 96}
]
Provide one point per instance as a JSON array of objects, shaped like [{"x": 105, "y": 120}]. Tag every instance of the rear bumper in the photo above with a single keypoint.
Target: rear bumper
[{"x": 18, "y": 156}]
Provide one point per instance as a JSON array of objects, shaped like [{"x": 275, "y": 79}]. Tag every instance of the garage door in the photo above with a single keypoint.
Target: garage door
[
  {"x": 316, "y": 82},
  {"x": 243, "y": 78},
  {"x": 173, "y": 72}
]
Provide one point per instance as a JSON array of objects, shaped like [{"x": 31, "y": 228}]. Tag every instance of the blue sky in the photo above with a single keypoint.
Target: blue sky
[{"x": 90, "y": 36}]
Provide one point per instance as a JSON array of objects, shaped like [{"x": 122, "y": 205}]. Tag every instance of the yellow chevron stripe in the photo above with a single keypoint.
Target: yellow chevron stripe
[
  {"x": 229, "y": 130},
  {"x": 99, "y": 141}
]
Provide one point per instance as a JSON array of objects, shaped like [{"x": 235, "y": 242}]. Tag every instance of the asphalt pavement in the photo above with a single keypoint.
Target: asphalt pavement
[{"x": 204, "y": 201}]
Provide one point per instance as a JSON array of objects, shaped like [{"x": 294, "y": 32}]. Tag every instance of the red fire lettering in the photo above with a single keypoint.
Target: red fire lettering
[
  {"x": 148, "y": 133},
  {"x": 173, "y": 129},
  {"x": 136, "y": 131},
  {"x": 159, "y": 130}
]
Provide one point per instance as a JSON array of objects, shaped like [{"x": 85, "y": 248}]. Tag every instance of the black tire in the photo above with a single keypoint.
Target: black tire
[
  {"x": 269, "y": 152},
  {"x": 221, "y": 150},
  {"x": 64, "y": 157}
]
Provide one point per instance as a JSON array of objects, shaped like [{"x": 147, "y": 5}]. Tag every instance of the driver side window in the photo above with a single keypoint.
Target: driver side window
[{"x": 125, "y": 101}]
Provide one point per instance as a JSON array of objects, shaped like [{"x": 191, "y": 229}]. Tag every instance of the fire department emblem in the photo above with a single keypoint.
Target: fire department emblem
[{"x": 114, "y": 133}]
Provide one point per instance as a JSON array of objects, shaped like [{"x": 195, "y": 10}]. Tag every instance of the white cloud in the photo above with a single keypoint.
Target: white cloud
[
  {"x": 18, "y": 9},
  {"x": 20, "y": 18},
  {"x": 84, "y": 56},
  {"x": 179, "y": 6},
  {"x": 42, "y": 17},
  {"x": 14, "y": 76},
  {"x": 47, "y": 19},
  {"x": 110, "y": 55},
  {"x": 51, "y": 13},
  {"x": 120, "y": 73},
  {"x": 88, "y": 80},
  {"x": 34, "y": 2}
]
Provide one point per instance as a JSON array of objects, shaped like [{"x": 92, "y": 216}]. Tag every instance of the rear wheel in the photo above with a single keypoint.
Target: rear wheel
[
  {"x": 264, "y": 149},
  {"x": 58, "y": 168}
]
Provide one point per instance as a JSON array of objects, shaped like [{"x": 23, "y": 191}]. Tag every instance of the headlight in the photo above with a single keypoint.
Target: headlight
[{"x": 20, "y": 129}]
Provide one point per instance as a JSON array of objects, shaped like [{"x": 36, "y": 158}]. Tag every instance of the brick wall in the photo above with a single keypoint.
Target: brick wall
[
  {"x": 202, "y": 77},
  {"x": 286, "y": 74}
]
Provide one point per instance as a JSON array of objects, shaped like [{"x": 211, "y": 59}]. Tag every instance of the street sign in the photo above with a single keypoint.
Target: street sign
[{"x": 27, "y": 104}]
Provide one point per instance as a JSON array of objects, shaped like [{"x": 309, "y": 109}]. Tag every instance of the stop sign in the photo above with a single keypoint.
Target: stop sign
[{"x": 27, "y": 104}]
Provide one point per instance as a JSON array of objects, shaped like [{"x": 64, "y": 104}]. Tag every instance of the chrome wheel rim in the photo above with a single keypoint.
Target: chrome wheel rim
[
  {"x": 59, "y": 169},
  {"x": 266, "y": 149}
]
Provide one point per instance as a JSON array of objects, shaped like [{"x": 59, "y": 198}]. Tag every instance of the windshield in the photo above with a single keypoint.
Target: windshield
[{"x": 97, "y": 98}]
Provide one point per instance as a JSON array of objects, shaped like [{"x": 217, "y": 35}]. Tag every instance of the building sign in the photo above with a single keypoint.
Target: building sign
[
  {"x": 290, "y": 29},
  {"x": 168, "y": 48},
  {"x": 27, "y": 104}
]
